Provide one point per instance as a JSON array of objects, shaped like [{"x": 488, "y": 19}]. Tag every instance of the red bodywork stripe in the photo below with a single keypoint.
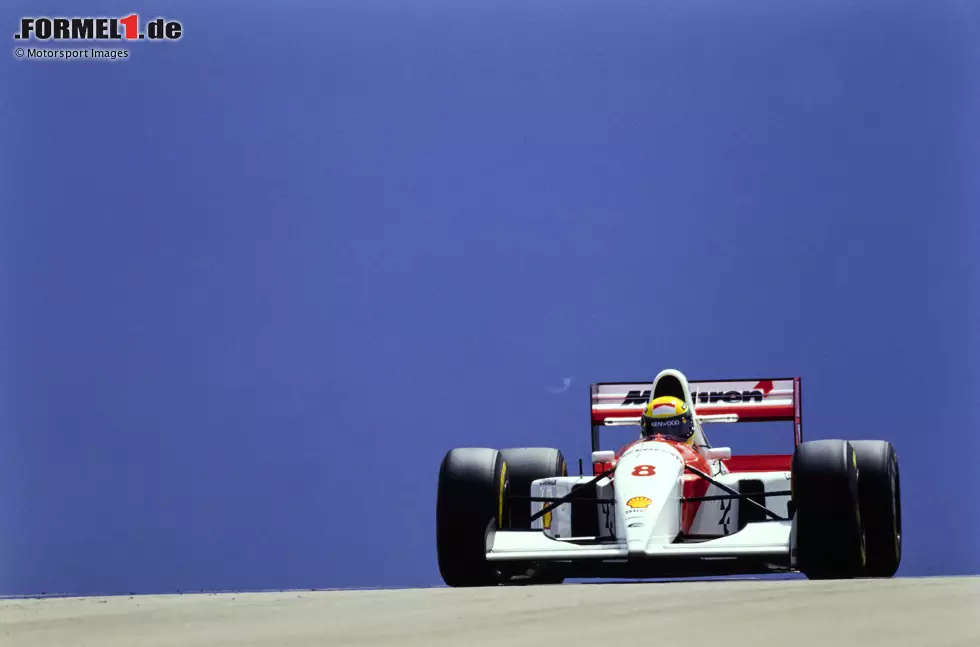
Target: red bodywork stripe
[
  {"x": 752, "y": 463},
  {"x": 759, "y": 463}
]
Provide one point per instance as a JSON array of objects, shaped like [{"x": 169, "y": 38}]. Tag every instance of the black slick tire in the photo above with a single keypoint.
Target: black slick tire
[
  {"x": 829, "y": 532},
  {"x": 881, "y": 505},
  {"x": 472, "y": 491}
]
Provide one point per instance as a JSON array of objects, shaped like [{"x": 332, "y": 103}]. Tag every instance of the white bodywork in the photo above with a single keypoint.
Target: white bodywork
[{"x": 643, "y": 515}]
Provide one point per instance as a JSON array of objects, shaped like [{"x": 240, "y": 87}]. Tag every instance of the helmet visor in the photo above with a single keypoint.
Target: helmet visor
[{"x": 676, "y": 428}]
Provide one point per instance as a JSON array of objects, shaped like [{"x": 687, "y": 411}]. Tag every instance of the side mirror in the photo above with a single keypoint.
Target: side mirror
[
  {"x": 602, "y": 461},
  {"x": 604, "y": 456},
  {"x": 718, "y": 453}
]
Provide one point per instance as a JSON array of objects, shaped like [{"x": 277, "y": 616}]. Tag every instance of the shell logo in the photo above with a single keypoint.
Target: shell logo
[{"x": 639, "y": 502}]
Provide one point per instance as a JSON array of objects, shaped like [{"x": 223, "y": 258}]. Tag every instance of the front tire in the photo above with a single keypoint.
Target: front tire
[
  {"x": 472, "y": 491},
  {"x": 829, "y": 534},
  {"x": 881, "y": 505}
]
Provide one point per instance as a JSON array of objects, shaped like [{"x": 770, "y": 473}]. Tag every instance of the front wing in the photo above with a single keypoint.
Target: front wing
[
  {"x": 759, "y": 548},
  {"x": 760, "y": 539}
]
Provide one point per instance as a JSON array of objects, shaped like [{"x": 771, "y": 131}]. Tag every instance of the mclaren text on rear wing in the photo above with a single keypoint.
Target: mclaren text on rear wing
[{"x": 738, "y": 400}]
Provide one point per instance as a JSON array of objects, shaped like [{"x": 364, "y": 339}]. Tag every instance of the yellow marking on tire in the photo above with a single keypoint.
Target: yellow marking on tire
[
  {"x": 857, "y": 511},
  {"x": 500, "y": 496}
]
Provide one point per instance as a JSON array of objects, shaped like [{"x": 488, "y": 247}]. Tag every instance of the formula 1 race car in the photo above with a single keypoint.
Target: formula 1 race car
[{"x": 663, "y": 508}]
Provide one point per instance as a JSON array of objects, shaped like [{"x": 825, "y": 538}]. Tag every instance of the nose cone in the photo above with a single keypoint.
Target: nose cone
[{"x": 647, "y": 486}]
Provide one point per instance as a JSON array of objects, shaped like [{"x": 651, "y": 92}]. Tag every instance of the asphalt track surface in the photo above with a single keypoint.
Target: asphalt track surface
[{"x": 925, "y": 612}]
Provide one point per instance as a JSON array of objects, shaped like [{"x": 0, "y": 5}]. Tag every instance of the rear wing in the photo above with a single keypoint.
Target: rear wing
[{"x": 739, "y": 400}]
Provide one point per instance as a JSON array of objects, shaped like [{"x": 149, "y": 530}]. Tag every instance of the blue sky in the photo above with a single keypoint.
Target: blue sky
[{"x": 256, "y": 283}]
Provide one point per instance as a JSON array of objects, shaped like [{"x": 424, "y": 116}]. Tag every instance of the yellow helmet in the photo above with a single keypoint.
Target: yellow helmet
[{"x": 669, "y": 417}]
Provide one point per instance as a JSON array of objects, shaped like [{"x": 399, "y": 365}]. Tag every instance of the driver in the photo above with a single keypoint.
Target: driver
[{"x": 667, "y": 418}]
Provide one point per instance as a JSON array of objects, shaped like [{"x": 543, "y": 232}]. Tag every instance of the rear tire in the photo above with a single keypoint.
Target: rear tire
[
  {"x": 829, "y": 534},
  {"x": 524, "y": 465},
  {"x": 881, "y": 505},
  {"x": 472, "y": 491}
]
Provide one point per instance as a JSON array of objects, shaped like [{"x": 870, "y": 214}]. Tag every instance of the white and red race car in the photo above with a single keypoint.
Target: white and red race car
[{"x": 659, "y": 508}]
